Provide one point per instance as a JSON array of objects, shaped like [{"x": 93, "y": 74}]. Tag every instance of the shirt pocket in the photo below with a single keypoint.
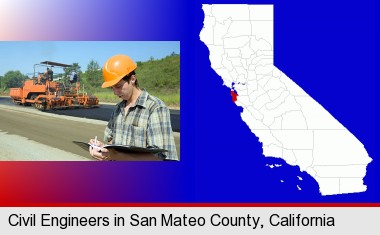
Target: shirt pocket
[{"x": 136, "y": 136}]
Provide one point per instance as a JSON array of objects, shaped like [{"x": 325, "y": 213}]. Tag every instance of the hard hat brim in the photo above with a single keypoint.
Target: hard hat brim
[{"x": 111, "y": 83}]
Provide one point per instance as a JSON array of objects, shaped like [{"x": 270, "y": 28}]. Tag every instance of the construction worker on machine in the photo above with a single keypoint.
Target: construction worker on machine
[
  {"x": 48, "y": 74},
  {"x": 41, "y": 79},
  {"x": 73, "y": 77},
  {"x": 140, "y": 119}
]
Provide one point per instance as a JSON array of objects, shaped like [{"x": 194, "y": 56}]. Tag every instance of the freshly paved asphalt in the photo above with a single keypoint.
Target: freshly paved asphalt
[{"x": 102, "y": 113}]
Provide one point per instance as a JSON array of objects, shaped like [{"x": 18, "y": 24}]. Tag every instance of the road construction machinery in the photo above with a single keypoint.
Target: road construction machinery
[{"x": 48, "y": 92}]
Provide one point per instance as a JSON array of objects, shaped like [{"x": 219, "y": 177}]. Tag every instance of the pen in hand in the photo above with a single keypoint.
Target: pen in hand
[{"x": 95, "y": 144}]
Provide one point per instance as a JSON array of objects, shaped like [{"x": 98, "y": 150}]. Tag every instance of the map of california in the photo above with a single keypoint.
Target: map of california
[{"x": 289, "y": 123}]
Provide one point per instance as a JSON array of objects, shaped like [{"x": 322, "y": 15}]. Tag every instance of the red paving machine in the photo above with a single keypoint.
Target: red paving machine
[{"x": 44, "y": 93}]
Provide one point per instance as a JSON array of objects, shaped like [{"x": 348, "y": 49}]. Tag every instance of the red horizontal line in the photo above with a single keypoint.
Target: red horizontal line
[{"x": 189, "y": 204}]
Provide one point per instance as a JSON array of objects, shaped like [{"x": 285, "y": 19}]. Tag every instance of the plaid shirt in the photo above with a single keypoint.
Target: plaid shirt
[{"x": 146, "y": 124}]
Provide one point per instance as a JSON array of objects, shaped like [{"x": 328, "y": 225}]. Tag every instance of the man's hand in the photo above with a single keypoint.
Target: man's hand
[{"x": 97, "y": 151}]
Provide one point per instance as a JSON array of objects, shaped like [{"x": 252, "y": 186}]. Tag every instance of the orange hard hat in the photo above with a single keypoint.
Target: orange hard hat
[{"x": 115, "y": 68}]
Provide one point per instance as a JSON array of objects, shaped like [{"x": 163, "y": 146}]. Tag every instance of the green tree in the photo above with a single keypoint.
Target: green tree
[
  {"x": 14, "y": 79},
  {"x": 94, "y": 74},
  {"x": 1, "y": 82}
]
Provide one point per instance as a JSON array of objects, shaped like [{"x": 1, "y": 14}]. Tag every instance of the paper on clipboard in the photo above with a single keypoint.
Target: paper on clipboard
[{"x": 122, "y": 148}]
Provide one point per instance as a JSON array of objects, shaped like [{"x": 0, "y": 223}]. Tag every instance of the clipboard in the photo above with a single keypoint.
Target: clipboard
[{"x": 122, "y": 148}]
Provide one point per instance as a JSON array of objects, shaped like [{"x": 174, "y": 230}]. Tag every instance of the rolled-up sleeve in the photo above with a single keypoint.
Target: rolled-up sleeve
[{"x": 159, "y": 132}]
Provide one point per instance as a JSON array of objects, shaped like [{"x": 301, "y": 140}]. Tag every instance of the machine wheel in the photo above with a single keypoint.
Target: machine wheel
[
  {"x": 32, "y": 98},
  {"x": 44, "y": 104}
]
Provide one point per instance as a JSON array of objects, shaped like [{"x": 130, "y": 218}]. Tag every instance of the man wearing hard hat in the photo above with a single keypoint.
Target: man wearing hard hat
[{"x": 139, "y": 120}]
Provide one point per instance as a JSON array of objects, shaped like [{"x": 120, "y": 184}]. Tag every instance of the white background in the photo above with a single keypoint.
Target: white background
[{"x": 348, "y": 220}]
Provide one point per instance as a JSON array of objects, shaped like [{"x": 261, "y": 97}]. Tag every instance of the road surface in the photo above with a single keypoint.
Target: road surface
[
  {"x": 102, "y": 113},
  {"x": 29, "y": 134}
]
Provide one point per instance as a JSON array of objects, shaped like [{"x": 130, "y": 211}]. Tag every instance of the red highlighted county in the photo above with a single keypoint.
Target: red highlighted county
[{"x": 234, "y": 96}]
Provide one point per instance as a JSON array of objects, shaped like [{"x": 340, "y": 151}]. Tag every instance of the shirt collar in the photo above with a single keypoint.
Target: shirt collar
[{"x": 141, "y": 100}]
